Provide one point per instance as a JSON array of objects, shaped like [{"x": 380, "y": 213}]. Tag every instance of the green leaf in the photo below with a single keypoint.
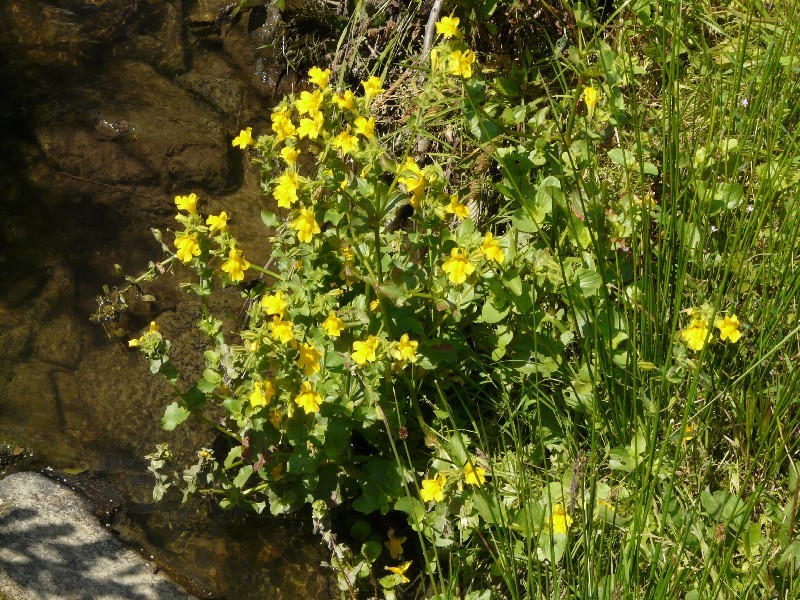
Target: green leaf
[
  {"x": 194, "y": 398},
  {"x": 371, "y": 550},
  {"x": 491, "y": 314},
  {"x": 270, "y": 219},
  {"x": 622, "y": 157},
  {"x": 234, "y": 455},
  {"x": 413, "y": 508},
  {"x": 620, "y": 459},
  {"x": 174, "y": 416},
  {"x": 361, "y": 530},
  {"x": 525, "y": 223},
  {"x": 589, "y": 281},
  {"x": 650, "y": 169},
  {"x": 333, "y": 216},
  {"x": 583, "y": 16},
  {"x": 512, "y": 282},
  {"x": 244, "y": 474}
]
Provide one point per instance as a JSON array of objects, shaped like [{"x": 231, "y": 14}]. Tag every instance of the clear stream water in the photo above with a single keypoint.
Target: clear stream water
[{"x": 108, "y": 109}]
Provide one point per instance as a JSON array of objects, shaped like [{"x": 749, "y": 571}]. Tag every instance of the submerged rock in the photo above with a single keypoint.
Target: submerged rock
[
  {"x": 52, "y": 547},
  {"x": 132, "y": 125}
]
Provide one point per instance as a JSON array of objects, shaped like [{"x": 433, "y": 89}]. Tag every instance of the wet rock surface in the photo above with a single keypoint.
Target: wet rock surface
[
  {"x": 110, "y": 109},
  {"x": 52, "y": 547},
  {"x": 137, "y": 127}
]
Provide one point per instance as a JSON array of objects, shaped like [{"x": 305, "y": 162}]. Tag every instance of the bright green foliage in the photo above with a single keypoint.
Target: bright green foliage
[{"x": 538, "y": 384}]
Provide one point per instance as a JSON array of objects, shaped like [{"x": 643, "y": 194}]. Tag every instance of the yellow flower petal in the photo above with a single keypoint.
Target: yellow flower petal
[{"x": 244, "y": 139}]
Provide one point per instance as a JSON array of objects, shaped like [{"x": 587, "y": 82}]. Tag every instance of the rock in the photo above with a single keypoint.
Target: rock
[
  {"x": 14, "y": 345},
  {"x": 158, "y": 38},
  {"x": 52, "y": 547},
  {"x": 59, "y": 341},
  {"x": 225, "y": 95},
  {"x": 61, "y": 33},
  {"x": 131, "y": 125},
  {"x": 58, "y": 292},
  {"x": 29, "y": 401},
  {"x": 248, "y": 40}
]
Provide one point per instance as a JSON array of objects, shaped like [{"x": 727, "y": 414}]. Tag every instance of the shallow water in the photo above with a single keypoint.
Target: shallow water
[{"x": 110, "y": 108}]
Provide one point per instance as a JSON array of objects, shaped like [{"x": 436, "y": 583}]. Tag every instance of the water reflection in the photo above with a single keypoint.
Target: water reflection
[{"x": 109, "y": 108}]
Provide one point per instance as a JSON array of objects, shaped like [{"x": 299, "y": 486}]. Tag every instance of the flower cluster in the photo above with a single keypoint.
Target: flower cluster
[
  {"x": 698, "y": 332},
  {"x": 195, "y": 241},
  {"x": 459, "y": 59}
]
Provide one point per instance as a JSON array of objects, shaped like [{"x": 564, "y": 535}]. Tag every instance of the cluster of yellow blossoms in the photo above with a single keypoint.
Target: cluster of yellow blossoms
[
  {"x": 188, "y": 245},
  {"x": 432, "y": 490},
  {"x": 460, "y": 60},
  {"x": 309, "y": 357},
  {"x": 698, "y": 332}
]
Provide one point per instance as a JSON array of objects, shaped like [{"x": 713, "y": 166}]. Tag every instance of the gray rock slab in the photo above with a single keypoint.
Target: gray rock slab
[{"x": 52, "y": 547}]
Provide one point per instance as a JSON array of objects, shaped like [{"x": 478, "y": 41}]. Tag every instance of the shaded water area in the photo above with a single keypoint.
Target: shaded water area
[{"x": 108, "y": 109}]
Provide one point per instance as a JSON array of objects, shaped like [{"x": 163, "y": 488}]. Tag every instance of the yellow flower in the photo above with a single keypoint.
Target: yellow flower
[
  {"x": 728, "y": 328},
  {"x": 414, "y": 183},
  {"x": 281, "y": 330},
  {"x": 375, "y": 305},
  {"x": 434, "y": 59},
  {"x": 319, "y": 77},
  {"x": 460, "y": 63},
  {"x": 456, "y": 208},
  {"x": 187, "y": 247},
  {"x": 490, "y": 248},
  {"x": 274, "y": 304},
  {"x": 282, "y": 123},
  {"x": 281, "y": 113},
  {"x": 283, "y": 127},
  {"x": 345, "y": 141},
  {"x": 372, "y": 87},
  {"x": 290, "y": 154},
  {"x": 333, "y": 325},
  {"x": 364, "y": 352},
  {"x": 309, "y": 103},
  {"x": 187, "y": 203},
  {"x": 433, "y": 489},
  {"x": 309, "y": 359},
  {"x": 235, "y": 266},
  {"x": 218, "y": 223},
  {"x": 365, "y": 127},
  {"x": 695, "y": 334},
  {"x": 474, "y": 475},
  {"x": 401, "y": 571},
  {"x": 305, "y": 225},
  {"x": 308, "y": 399},
  {"x": 448, "y": 27},
  {"x": 688, "y": 433},
  {"x": 590, "y": 97},
  {"x": 560, "y": 521},
  {"x": 395, "y": 545},
  {"x": 311, "y": 127},
  {"x": 262, "y": 393},
  {"x": 151, "y": 330},
  {"x": 458, "y": 267},
  {"x": 405, "y": 350},
  {"x": 244, "y": 139},
  {"x": 277, "y": 471},
  {"x": 345, "y": 100},
  {"x": 285, "y": 192}
]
